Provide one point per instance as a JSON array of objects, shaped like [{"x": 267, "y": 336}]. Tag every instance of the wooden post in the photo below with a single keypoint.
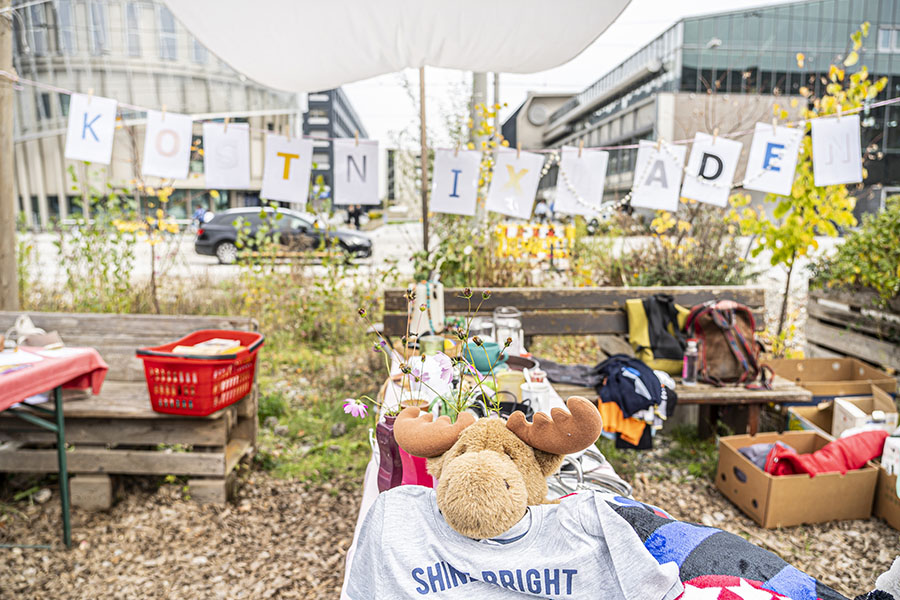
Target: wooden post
[
  {"x": 424, "y": 152},
  {"x": 9, "y": 287}
]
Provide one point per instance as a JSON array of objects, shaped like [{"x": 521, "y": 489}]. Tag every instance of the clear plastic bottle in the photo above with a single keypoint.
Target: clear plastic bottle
[{"x": 689, "y": 369}]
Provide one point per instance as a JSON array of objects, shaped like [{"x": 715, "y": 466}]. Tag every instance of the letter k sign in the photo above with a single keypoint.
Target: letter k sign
[{"x": 91, "y": 129}]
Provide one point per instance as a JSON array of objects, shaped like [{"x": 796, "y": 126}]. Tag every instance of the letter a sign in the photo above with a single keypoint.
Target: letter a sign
[
  {"x": 92, "y": 126},
  {"x": 355, "y": 171},
  {"x": 657, "y": 176},
  {"x": 287, "y": 167},
  {"x": 455, "y": 188},
  {"x": 167, "y": 145}
]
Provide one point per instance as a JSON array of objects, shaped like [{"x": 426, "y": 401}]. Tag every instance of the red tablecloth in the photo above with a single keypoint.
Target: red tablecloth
[{"x": 78, "y": 368}]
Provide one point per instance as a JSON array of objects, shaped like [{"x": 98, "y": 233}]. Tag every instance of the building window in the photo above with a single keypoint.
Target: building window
[
  {"x": 68, "y": 43},
  {"x": 99, "y": 28},
  {"x": 64, "y": 104},
  {"x": 133, "y": 28},
  {"x": 199, "y": 53},
  {"x": 168, "y": 39},
  {"x": 889, "y": 39},
  {"x": 37, "y": 30}
]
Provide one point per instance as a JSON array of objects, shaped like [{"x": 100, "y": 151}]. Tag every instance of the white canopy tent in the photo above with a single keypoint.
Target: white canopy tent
[{"x": 313, "y": 45}]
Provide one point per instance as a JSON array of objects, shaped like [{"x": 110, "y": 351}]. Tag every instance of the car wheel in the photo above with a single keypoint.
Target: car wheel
[{"x": 226, "y": 252}]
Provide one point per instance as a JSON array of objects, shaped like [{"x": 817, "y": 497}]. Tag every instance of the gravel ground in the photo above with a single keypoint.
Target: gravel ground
[
  {"x": 280, "y": 540},
  {"x": 277, "y": 540}
]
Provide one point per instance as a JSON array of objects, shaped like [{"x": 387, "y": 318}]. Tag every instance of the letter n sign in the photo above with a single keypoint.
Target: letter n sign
[
  {"x": 91, "y": 128},
  {"x": 355, "y": 171}
]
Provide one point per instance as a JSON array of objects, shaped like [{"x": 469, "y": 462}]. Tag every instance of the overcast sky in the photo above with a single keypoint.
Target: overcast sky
[{"x": 385, "y": 107}]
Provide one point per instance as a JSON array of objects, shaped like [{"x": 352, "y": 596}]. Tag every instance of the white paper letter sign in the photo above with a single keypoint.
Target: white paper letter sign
[
  {"x": 355, "y": 172},
  {"x": 837, "y": 157},
  {"x": 657, "y": 176},
  {"x": 167, "y": 145},
  {"x": 226, "y": 155},
  {"x": 286, "y": 170},
  {"x": 773, "y": 159},
  {"x": 711, "y": 169},
  {"x": 92, "y": 126},
  {"x": 514, "y": 183},
  {"x": 455, "y": 187},
  {"x": 579, "y": 187}
]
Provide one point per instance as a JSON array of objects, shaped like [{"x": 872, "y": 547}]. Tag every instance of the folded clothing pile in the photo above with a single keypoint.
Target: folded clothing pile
[{"x": 839, "y": 456}]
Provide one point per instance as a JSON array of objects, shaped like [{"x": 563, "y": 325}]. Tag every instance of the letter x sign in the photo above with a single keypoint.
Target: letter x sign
[{"x": 92, "y": 126}]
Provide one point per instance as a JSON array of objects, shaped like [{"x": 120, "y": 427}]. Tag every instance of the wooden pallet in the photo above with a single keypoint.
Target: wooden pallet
[
  {"x": 843, "y": 324},
  {"x": 117, "y": 432}
]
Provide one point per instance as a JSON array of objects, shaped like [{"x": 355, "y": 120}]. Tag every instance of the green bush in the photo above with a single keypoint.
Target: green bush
[{"x": 868, "y": 258}]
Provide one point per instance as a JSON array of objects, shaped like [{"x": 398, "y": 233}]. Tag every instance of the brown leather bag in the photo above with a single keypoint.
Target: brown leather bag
[{"x": 726, "y": 341}]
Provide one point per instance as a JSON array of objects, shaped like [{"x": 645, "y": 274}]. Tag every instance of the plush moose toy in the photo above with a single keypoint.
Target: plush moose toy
[{"x": 488, "y": 531}]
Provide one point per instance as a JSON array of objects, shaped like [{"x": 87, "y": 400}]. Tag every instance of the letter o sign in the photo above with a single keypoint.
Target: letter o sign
[{"x": 160, "y": 142}]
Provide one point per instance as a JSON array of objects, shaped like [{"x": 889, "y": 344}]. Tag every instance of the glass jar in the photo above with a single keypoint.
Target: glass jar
[{"x": 508, "y": 324}]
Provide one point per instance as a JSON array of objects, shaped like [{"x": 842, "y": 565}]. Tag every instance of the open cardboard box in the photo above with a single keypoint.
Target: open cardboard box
[
  {"x": 827, "y": 378},
  {"x": 821, "y": 417},
  {"x": 792, "y": 499},
  {"x": 887, "y": 503}
]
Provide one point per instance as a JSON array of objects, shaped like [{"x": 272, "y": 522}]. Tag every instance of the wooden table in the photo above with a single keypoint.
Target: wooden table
[
  {"x": 710, "y": 398},
  {"x": 78, "y": 368}
]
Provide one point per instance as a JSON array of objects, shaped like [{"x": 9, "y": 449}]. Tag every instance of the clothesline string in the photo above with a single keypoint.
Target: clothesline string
[{"x": 52, "y": 88}]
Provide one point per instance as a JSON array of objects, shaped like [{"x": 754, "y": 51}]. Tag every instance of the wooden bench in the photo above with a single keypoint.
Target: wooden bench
[
  {"x": 600, "y": 311},
  {"x": 117, "y": 432}
]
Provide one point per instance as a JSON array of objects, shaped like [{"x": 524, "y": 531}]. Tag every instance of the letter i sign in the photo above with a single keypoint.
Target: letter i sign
[{"x": 91, "y": 128}]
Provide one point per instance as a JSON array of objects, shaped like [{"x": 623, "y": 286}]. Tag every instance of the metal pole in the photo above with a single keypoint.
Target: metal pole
[
  {"x": 424, "y": 153},
  {"x": 9, "y": 287},
  {"x": 63, "y": 467}
]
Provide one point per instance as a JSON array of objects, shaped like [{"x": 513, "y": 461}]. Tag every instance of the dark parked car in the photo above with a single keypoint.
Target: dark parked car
[{"x": 296, "y": 232}]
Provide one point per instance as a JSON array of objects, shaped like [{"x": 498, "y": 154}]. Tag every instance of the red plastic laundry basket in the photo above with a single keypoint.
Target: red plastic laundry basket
[{"x": 199, "y": 385}]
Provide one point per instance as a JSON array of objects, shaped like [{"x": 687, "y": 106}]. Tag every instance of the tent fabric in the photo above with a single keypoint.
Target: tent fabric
[{"x": 305, "y": 46}]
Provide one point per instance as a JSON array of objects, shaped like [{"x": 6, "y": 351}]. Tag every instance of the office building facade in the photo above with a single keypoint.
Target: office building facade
[
  {"x": 330, "y": 115},
  {"x": 725, "y": 71},
  {"x": 139, "y": 54}
]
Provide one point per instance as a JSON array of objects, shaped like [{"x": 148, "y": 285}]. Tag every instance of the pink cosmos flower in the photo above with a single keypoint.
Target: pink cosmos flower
[
  {"x": 354, "y": 407},
  {"x": 420, "y": 374},
  {"x": 446, "y": 366}
]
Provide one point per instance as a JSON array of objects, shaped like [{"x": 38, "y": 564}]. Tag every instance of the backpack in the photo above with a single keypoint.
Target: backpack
[
  {"x": 655, "y": 327},
  {"x": 728, "y": 351}
]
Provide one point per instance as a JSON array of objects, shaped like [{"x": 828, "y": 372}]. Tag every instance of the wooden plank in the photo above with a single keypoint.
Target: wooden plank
[
  {"x": 77, "y": 324},
  {"x": 132, "y": 462},
  {"x": 91, "y": 491},
  {"x": 852, "y": 320},
  {"x": 580, "y": 298},
  {"x": 852, "y": 343},
  {"x": 235, "y": 451},
  {"x": 784, "y": 391},
  {"x": 815, "y": 351},
  {"x": 184, "y": 430},
  {"x": 121, "y": 400},
  {"x": 859, "y": 298}
]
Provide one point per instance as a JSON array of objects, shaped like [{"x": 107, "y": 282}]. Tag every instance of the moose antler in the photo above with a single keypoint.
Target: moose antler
[
  {"x": 421, "y": 436},
  {"x": 562, "y": 432}
]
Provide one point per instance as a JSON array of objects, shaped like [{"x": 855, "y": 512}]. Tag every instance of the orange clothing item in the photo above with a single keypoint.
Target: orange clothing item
[{"x": 614, "y": 421}]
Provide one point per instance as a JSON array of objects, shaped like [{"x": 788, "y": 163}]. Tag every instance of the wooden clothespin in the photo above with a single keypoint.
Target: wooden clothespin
[
  {"x": 356, "y": 136},
  {"x": 518, "y": 150},
  {"x": 90, "y": 95},
  {"x": 580, "y": 147},
  {"x": 774, "y": 125},
  {"x": 840, "y": 109},
  {"x": 715, "y": 135},
  {"x": 659, "y": 144},
  {"x": 163, "y": 119},
  {"x": 456, "y": 152},
  {"x": 225, "y": 125}
]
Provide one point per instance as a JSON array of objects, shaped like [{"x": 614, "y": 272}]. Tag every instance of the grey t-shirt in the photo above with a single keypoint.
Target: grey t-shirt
[{"x": 578, "y": 549}]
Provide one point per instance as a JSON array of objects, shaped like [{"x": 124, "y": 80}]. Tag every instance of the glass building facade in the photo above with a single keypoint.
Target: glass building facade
[{"x": 744, "y": 53}]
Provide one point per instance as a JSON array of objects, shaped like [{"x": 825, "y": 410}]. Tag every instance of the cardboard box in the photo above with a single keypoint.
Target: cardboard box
[
  {"x": 816, "y": 418},
  {"x": 828, "y": 378},
  {"x": 855, "y": 412},
  {"x": 792, "y": 499},
  {"x": 887, "y": 504}
]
